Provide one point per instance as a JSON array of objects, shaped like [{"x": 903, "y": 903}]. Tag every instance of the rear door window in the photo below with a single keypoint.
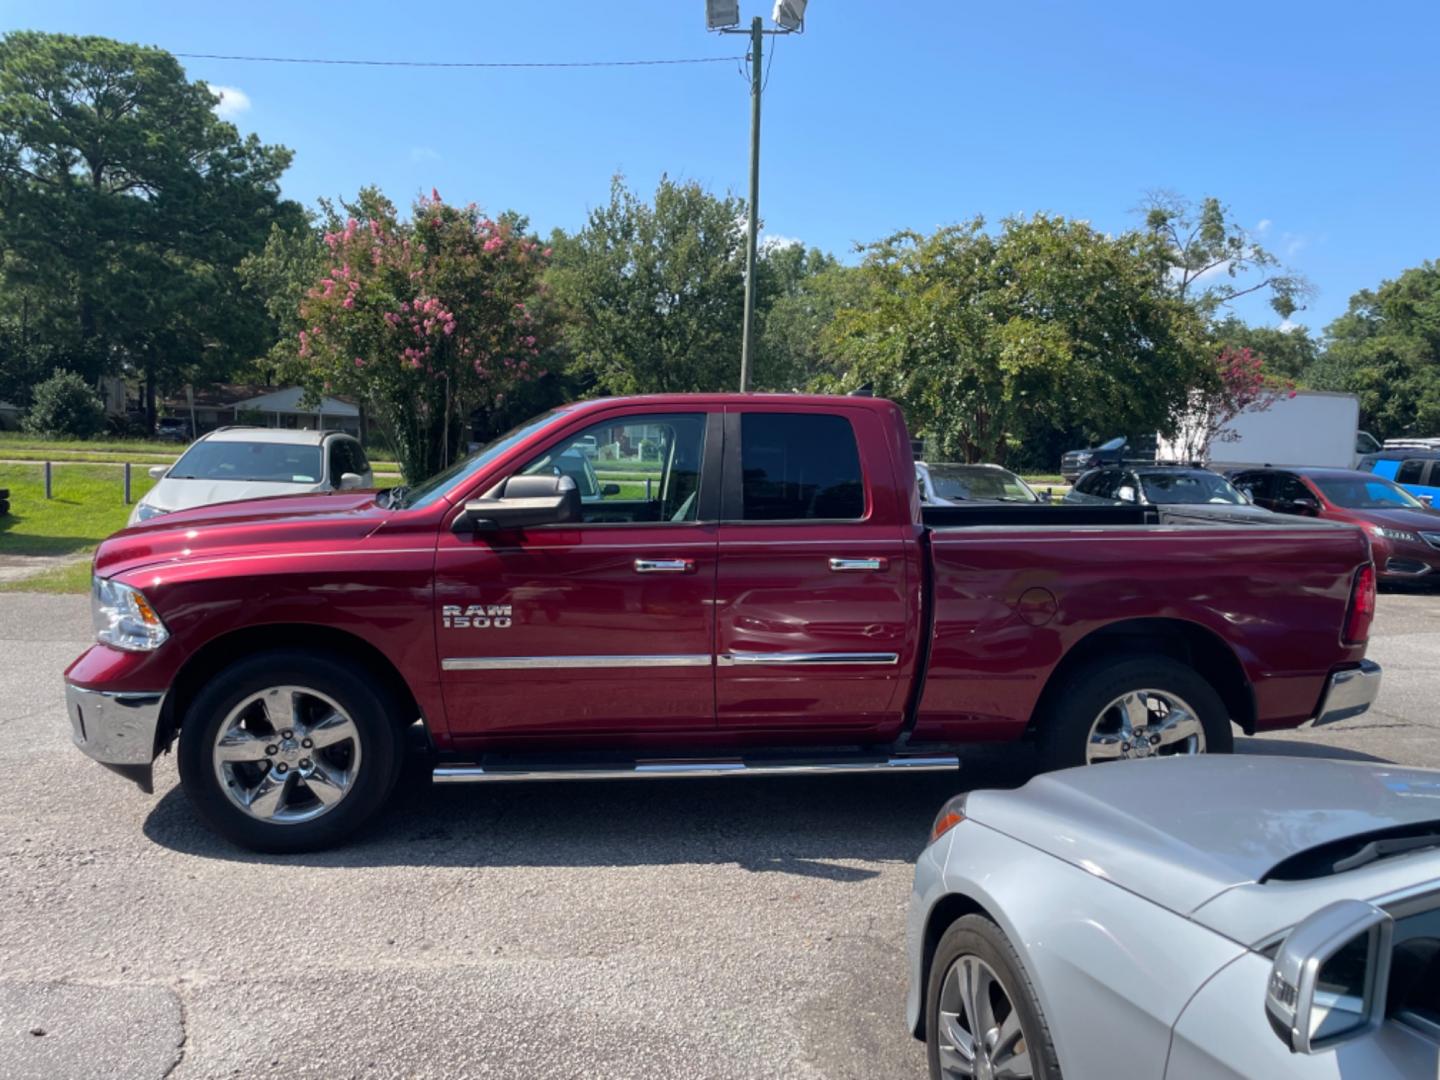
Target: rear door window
[
  {"x": 1259, "y": 486},
  {"x": 1411, "y": 471},
  {"x": 800, "y": 467}
]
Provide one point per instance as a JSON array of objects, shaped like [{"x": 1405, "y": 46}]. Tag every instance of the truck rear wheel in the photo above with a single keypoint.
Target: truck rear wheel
[
  {"x": 1133, "y": 708},
  {"x": 289, "y": 751}
]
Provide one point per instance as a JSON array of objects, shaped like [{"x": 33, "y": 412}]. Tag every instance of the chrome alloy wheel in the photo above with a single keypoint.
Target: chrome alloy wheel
[
  {"x": 980, "y": 1034},
  {"x": 1145, "y": 724},
  {"x": 287, "y": 754}
]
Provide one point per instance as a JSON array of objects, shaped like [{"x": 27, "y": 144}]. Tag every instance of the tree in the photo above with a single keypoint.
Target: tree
[
  {"x": 801, "y": 290},
  {"x": 65, "y": 407},
  {"x": 1207, "y": 257},
  {"x": 653, "y": 294},
  {"x": 425, "y": 321},
  {"x": 1288, "y": 354},
  {"x": 1235, "y": 383},
  {"x": 988, "y": 340},
  {"x": 126, "y": 206},
  {"x": 1386, "y": 350}
]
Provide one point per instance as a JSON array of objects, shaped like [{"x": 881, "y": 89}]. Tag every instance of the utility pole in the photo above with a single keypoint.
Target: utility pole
[
  {"x": 723, "y": 16},
  {"x": 747, "y": 334}
]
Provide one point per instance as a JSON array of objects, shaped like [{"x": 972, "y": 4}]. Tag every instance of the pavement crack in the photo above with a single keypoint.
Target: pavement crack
[{"x": 184, "y": 1042}]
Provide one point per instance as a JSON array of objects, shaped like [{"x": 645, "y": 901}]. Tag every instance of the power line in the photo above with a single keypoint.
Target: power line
[{"x": 460, "y": 63}]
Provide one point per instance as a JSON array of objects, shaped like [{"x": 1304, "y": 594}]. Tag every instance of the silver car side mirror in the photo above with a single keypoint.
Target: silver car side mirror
[
  {"x": 1328, "y": 982},
  {"x": 157, "y": 472},
  {"x": 350, "y": 481}
]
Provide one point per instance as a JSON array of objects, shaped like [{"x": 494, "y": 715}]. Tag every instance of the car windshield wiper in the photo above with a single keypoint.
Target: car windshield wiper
[{"x": 1376, "y": 850}]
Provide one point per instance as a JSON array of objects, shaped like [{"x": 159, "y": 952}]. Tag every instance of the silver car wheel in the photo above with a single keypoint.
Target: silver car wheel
[
  {"x": 1144, "y": 724},
  {"x": 980, "y": 1033},
  {"x": 287, "y": 754}
]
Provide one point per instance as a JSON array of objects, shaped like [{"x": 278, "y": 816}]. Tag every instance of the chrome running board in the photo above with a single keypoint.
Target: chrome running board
[{"x": 465, "y": 774}]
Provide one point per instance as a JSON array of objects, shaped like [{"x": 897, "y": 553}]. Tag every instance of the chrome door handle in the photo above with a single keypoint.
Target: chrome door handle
[
  {"x": 841, "y": 566},
  {"x": 664, "y": 566}
]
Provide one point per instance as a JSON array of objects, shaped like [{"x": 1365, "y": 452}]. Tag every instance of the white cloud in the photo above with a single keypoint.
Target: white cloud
[
  {"x": 1264, "y": 226},
  {"x": 232, "y": 102},
  {"x": 1294, "y": 245},
  {"x": 1219, "y": 268},
  {"x": 424, "y": 153},
  {"x": 773, "y": 241},
  {"x": 1287, "y": 327}
]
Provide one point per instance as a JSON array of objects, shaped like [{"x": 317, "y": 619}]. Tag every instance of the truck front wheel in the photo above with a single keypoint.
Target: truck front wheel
[
  {"x": 1138, "y": 707},
  {"x": 289, "y": 751}
]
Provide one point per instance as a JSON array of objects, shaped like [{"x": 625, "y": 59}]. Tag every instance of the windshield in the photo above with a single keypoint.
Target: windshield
[
  {"x": 1113, "y": 444},
  {"x": 1189, "y": 488},
  {"x": 260, "y": 462},
  {"x": 1367, "y": 493},
  {"x": 456, "y": 475},
  {"x": 959, "y": 482}
]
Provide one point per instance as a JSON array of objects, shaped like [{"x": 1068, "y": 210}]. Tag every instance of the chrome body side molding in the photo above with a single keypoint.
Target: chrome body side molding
[
  {"x": 462, "y": 774},
  {"x": 527, "y": 663},
  {"x": 731, "y": 659}
]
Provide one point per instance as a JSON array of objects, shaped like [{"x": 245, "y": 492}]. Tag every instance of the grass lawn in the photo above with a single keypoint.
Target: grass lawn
[{"x": 88, "y": 506}]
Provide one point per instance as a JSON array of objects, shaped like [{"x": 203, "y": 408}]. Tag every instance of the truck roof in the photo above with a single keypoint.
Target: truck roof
[{"x": 826, "y": 400}]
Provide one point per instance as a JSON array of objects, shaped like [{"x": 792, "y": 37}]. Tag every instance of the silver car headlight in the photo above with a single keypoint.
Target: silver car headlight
[
  {"x": 144, "y": 512},
  {"x": 124, "y": 618},
  {"x": 951, "y": 814}
]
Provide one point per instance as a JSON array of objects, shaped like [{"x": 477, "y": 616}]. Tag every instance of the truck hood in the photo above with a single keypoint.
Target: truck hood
[
  {"x": 1409, "y": 520},
  {"x": 1179, "y": 831},
  {"x": 230, "y": 528}
]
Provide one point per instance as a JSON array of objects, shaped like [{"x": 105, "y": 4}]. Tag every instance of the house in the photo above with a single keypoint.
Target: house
[{"x": 216, "y": 406}]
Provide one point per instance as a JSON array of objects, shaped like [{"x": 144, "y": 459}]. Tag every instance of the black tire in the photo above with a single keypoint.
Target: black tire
[
  {"x": 351, "y": 687},
  {"x": 1076, "y": 704},
  {"x": 976, "y": 936}
]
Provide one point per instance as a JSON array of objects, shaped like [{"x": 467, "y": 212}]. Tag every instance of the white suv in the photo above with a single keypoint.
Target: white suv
[{"x": 233, "y": 463}]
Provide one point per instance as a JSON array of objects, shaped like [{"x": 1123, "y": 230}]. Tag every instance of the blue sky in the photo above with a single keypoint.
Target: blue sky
[{"x": 1317, "y": 122}]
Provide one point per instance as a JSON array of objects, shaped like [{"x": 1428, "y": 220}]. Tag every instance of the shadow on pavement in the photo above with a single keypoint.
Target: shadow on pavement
[
  {"x": 1292, "y": 748},
  {"x": 812, "y": 826}
]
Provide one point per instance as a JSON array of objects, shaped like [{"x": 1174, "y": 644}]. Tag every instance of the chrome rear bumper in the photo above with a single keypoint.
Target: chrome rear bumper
[
  {"x": 116, "y": 729},
  {"x": 1349, "y": 693}
]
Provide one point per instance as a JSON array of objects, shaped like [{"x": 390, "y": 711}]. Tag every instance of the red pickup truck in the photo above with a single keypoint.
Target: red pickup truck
[{"x": 690, "y": 584}]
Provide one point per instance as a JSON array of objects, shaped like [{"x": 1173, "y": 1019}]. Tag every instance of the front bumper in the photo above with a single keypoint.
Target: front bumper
[
  {"x": 1348, "y": 693},
  {"x": 116, "y": 729}
]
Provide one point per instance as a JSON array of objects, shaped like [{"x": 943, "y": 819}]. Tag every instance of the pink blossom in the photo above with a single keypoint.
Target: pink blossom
[
  {"x": 348, "y": 303},
  {"x": 359, "y": 362},
  {"x": 546, "y": 252},
  {"x": 435, "y": 194}
]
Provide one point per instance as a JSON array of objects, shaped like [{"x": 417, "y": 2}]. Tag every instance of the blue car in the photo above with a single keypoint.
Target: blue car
[{"x": 1416, "y": 469}]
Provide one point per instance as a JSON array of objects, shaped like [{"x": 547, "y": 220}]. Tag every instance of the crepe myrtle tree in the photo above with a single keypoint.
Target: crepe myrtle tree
[
  {"x": 424, "y": 321},
  {"x": 1235, "y": 383}
]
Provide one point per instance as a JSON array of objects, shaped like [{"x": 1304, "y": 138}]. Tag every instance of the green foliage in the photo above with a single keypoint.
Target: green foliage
[
  {"x": 65, "y": 406},
  {"x": 1205, "y": 256},
  {"x": 1386, "y": 350},
  {"x": 652, "y": 295},
  {"x": 1287, "y": 354},
  {"x": 991, "y": 339},
  {"x": 24, "y": 363},
  {"x": 126, "y": 206},
  {"x": 800, "y": 292},
  {"x": 425, "y": 321}
]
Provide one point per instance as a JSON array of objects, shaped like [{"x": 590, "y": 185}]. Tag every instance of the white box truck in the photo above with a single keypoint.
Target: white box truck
[{"x": 1314, "y": 428}]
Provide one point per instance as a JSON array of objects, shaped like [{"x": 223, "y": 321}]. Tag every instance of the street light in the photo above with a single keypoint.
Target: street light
[{"x": 723, "y": 17}]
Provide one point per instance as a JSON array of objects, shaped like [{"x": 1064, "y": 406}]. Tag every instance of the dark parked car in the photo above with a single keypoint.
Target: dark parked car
[
  {"x": 1116, "y": 452},
  {"x": 1404, "y": 532},
  {"x": 1181, "y": 490},
  {"x": 174, "y": 429}
]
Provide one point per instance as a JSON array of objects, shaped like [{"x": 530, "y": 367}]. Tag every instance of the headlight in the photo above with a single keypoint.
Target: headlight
[
  {"x": 1392, "y": 534},
  {"x": 144, "y": 512},
  {"x": 951, "y": 814},
  {"x": 124, "y": 618}
]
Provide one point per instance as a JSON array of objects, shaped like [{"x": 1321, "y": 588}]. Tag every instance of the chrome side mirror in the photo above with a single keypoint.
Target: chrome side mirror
[
  {"x": 1126, "y": 493},
  {"x": 1328, "y": 982},
  {"x": 350, "y": 481},
  {"x": 523, "y": 501}
]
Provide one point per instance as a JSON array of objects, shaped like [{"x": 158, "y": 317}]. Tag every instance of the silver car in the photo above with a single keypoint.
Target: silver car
[{"x": 1186, "y": 917}]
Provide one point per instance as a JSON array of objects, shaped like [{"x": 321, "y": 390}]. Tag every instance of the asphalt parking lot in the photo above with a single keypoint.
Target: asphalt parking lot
[{"x": 689, "y": 928}]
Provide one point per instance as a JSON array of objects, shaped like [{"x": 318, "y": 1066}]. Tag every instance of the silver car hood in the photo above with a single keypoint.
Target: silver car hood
[{"x": 1180, "y": 831}]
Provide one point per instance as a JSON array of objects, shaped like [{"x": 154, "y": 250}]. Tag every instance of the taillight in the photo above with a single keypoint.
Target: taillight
[{"x": 1362, "y": 606}]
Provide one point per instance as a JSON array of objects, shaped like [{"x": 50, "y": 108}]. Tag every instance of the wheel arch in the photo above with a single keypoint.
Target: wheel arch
[
  {"x": 225, "y": 649},
  {"x": 948, "y": 910},
  {"x": 1188, "y": 642}
]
